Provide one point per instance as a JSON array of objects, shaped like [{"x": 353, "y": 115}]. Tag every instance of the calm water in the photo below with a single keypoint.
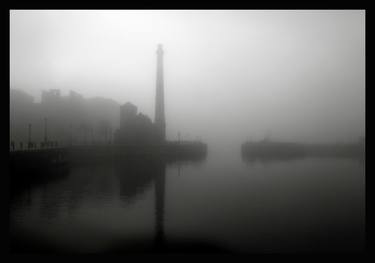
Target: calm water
[{"x": 219, "y": 204}]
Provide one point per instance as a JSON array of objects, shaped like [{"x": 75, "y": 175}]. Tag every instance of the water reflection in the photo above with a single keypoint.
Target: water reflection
[
  {"x": 87, "y": 187},
  {"x": 163, "y": 206},
  {"x": 159, "y": 203},
  {"x": 135, "y": 177},
  {"x": 278, "y": 158}
]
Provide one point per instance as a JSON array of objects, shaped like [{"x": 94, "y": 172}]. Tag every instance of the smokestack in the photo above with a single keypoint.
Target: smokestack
[{"x": 159, "y": 98}]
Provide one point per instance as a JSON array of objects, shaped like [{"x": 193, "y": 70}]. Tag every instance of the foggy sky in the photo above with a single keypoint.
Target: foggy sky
[{"x": 229, "y": 75}]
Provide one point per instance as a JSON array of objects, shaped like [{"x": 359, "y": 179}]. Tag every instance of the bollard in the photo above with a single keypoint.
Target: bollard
[
  {"x": 45, "y": 130},
  {"x": 29, "y": 137}
]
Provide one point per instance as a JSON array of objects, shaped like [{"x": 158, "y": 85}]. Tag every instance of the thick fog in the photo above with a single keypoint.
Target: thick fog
[{"x": 229, "y": 76}]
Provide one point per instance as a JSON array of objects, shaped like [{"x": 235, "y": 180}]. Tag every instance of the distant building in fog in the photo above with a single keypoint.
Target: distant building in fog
[
  {"x": 71, "y": 118},
  {"x": 135, "y": 128},
  {"x": 51, "y": 96}
]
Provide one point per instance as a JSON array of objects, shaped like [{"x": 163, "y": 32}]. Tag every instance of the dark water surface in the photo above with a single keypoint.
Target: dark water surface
[{"x": 220, "y": 204}]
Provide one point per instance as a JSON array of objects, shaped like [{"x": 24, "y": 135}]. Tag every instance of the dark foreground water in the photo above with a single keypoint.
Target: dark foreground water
[{"x": 221, "y": 204}]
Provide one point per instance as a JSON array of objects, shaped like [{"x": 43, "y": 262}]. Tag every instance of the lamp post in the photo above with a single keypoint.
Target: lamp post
[
  {"x": 45, "y": 131},
  {"x": 29, "y": 142}
]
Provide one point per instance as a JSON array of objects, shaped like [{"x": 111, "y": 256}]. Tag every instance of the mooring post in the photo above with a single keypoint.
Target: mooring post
[
  {"x": 45, "y": 130},
  {"x": 29, "y": 142},
  {"x": 110, "y": 136},
  {"x": 71, "y": 134},
  {"x": 92, "y": 135}
]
